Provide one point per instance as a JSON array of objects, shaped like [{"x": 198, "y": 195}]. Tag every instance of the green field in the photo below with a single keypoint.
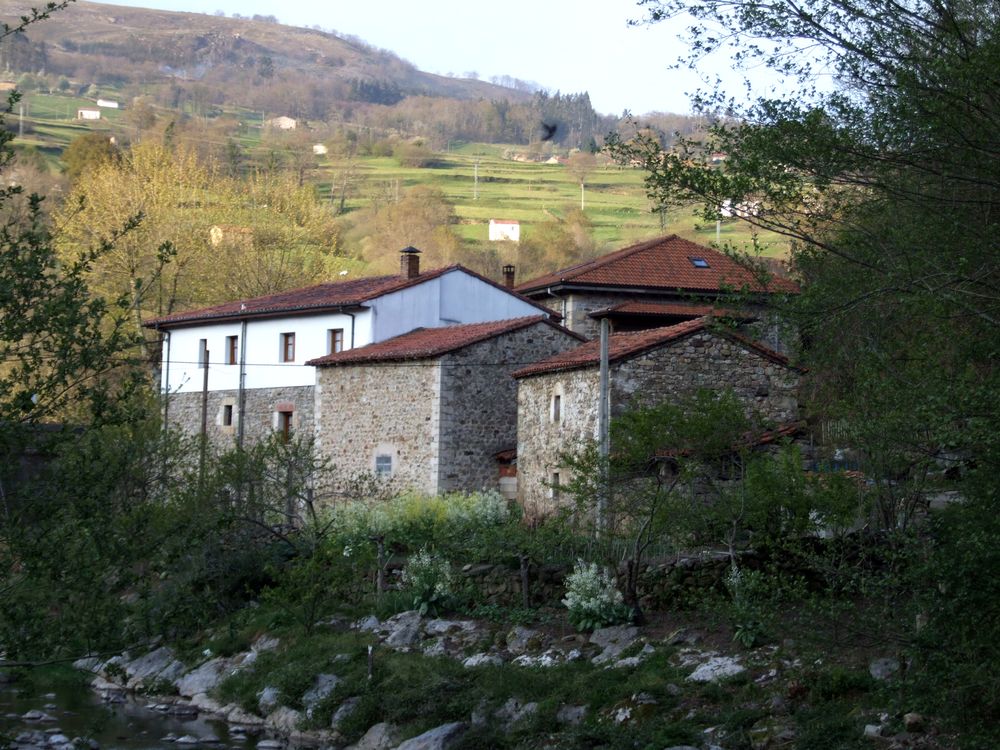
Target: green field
[{"x": 507, "y": 188}]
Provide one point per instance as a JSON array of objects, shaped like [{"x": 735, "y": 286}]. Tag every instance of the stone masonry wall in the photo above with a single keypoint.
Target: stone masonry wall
[
  {"x": 478, "y": 415},
  {"x": 261, "y": 420},
  {"x": 388, "y": 409},
  {"x": 709, "y": 361},
  {"x": 704, "y": 360}
]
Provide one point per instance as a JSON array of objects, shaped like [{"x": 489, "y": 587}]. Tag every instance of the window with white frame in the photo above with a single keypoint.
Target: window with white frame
[{"x": 383, "y": 466}]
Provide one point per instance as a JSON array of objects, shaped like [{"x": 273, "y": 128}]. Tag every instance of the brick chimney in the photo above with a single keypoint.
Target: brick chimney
[
  {"x": 508, "y": 276},
  {"x": 409, "y": 262}
]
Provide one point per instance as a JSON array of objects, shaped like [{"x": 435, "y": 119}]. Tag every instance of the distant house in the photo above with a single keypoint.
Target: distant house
[
  {"x": 7, "y": 85},
  {"x": 557, "y": 399},
  {"x": 504, "y": 229},
  {"x": 653, "y": 283},
  {"x": 258, "y": 350},
  {"x": 87, "y": 113},
  {"x": 433, "y": 409},
  {"x": 281, "y": 123},
  {"x": 107, "y": 103},
  {"x": 230, "y": 234},
  {"x": 319, "y": 149}
]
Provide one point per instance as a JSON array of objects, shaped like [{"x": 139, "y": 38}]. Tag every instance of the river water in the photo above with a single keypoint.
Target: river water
[{"x": 132, "y": 725}]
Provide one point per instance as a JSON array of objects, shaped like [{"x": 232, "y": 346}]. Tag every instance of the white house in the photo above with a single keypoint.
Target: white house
[
  {"x": 86, "y": 113},
  {"x": 503, "y": 229},
  {"x": 257, "y": 349},
  {"x": 319, "y": 149},
  {"x": 282, "y": 123},
  {"x": 107, "y": 103}
]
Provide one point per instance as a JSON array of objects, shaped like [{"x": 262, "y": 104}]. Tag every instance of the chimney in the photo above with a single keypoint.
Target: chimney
[
  {"x": 409, "y": 262},
  {"x": 508, "y": 276}
]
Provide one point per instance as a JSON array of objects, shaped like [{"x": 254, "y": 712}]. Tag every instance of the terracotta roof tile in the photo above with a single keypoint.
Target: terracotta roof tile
[
  {"x": 320, "y": 297},
  {"x": 623, "y": 346},
  {"x": 663, "y": 263},
  {"x": 426, "y": 343}
]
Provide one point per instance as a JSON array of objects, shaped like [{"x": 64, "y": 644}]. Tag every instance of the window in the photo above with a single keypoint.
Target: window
[
  {"x": 557, "y": 408},
  {"x": 383, "y": 466},
  {"x": 699, "y": 262},
  {"x": 227, "y": 415},
  {"x": 287, "y": 347},
  {"x": 285, "y": 425},
  {"x": 202, "y": 353},
  {"x": 555, "y": 485},
  {"x": 232, "y": 350},
  {"x": 335, "y": 340}
]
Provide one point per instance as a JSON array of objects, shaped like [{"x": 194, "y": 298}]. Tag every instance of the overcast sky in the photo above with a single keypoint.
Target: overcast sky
[{"x": 565, "y": 45}]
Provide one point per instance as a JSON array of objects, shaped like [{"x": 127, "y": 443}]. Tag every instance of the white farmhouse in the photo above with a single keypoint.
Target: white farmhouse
[
  {"x": 503, "y": 229},
  {"x": 88, "y": 113},
  {"x": 257, "y": 349},
  {"x": 107, "y": 103}
]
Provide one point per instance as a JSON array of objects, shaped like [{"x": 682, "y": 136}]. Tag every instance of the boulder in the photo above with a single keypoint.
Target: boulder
[
  {"x": 480, "y": 660},
  {"x": 913, "y": 722},
  {"x": 344, "y": 710},
  {"x": 883, "y": 669},
  {"x": 265, "y": 643},
  {"x": 446, "y": 627},
  {"x": 613, "y": 641},
  {"x": 403, "y": 629},
  {"x": 267, "y": 700},
  {"x": 242, "y": 718},
  {"x": 203, "y": 679},
  {"x": 443, "y": 737},
  {"x": 717, "y": 668},
  {"x": 284, "y": 719},
  {"x": 323, "y": 686},
  {"x": 522, "y": 640},
  {"x": 160, "y": 664},
  {"x": 382, "y": 736},
  {"x": 512, "y": 712},
  {"x": 571, "y": 715}
]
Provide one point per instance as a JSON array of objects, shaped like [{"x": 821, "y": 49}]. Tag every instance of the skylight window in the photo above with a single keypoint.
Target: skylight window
[{"x": 699, "y": 262}]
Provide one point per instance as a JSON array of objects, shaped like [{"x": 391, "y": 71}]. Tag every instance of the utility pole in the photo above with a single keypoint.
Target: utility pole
[
  {"x": 204, "y": 424},
  {"x": 603, "y": 437},
  {"x": 475, "y": 183}
]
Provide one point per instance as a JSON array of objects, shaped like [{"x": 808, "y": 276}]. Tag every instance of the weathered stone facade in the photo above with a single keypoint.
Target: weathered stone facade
[
  {"x": 440, "y": 421},
  {"x": 262, "y": 408},
  {"x": 706, "y": 360}
]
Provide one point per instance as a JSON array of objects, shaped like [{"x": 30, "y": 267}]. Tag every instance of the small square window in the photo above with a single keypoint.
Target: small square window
[
  {"x": 288, "y": 347},
  {"x": 335, "y": 340},
  {"x": 227, "y": 415},
  {"x": 699, "y": 262},
  {"x": 232, "y": 350},
  {"x": 383, "y": 466}
]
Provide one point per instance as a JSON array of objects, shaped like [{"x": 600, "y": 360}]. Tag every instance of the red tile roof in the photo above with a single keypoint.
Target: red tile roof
[
  {"x": 318, "y": 298},
  {"x": 661, "y": 264},
  {"x": 655, "y": 309},
  {"x": 426, "y": 343},
  {"x": 622, "y": 346}
]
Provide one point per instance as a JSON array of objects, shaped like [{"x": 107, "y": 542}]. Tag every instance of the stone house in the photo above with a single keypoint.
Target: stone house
[
  {"x": 654, "y": 283},
  {"x": 87, "y": 113},
  {"x": 557, "y": 398},
  {"x": 255, "y": 353},
  {"x": 433, "y": 409}
]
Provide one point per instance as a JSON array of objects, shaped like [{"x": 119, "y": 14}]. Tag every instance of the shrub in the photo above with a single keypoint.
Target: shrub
[
  {"x": 428, "y": 577},
  {"x": 592, "y": 598}
]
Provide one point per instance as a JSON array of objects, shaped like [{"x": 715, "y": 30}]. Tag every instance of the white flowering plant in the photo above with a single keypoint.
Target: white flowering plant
[
  {"x": 429, "y": 579},
  {"x": 592, "y": 598},
  {"x": 746, "y": 588}
]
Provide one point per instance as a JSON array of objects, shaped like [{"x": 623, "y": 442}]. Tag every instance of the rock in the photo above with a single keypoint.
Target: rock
[
  {"x": 445, "y": 627},
  {"x": 382, "y": 736},
  {"x": 160, "y": 664},
  {"x": 443, "y": 737},
  {"x": 673, "y": 690},
  {"x": 267, "y": 700},
  {"x": 883, "y": 669},
  {"x": 169, "y": 738},
  {"x": 632, "y": 662},
  {"x": 207, "y": 704},
  {"x": 521, "y": 640},
  {"x": 209, "y": 739},
  {"x": 613, "y": 641},
  {"x": 717, "y": 668},
  {"x": 550, "y": 658},
  {"x": 36, "y": 715},
  {"x": 284, "y": 719},
  {"x": 404, "y": 629},
  {"x": 913, "y": 722},
  {"x": 58, "y": 739},
  {"x": 265, "y": 643},
  {"x": 204, "y": 679},
  {"x": 344, "y": 710},
  {"x": 481, "y": 660},
  {"x": 323, "y": 686},
  {"x": 770, "y": 733},
  {"x": 438, "y": 648},
  {"x": 369, "y": 624},
  {"x": 270, "y": 745},
  {"x": 571, "y": 715},
  {"x": 873, "y": 731},
  {"x": 512, "y": 712},
  {"x": 242, "y": 718},
  {"x": 638, "y": 707},
  {"x": 185, "y": 710},
  {"x": 187, "y": 739}
]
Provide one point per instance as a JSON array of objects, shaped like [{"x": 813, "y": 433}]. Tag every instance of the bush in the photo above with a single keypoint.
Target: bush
[
  {"x": 592, "y": 598},
  {"x": 428, "y": 576}
]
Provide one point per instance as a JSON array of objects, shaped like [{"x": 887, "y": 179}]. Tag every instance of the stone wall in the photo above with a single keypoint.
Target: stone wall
[
  {"x": 261, "y": 418},
  {"x": 705, "y": 360},
  {"x": 478, "y": 414},
  {"x": 381, "y": 409}
]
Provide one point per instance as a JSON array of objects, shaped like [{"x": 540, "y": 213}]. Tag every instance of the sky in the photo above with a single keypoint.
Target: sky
[{"x": 565, "y": 45}]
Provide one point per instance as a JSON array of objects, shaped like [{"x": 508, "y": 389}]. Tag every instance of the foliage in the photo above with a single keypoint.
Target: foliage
[
  {"x": 428, "y": 578},
  {"x": 592, "y": 598},
  {"x": 745, "y": 589},
  {"x": 87, "y": 152}
]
